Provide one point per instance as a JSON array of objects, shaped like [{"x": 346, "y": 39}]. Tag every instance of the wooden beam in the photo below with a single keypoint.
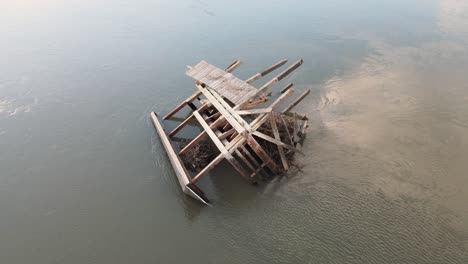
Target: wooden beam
[
  {"x": 275, "y": 141},
  {"x": 255, "y": 103},
  {"x": 233, "y": 66},
  {"x": 300, "y": 116},
  {"x": 179, "y": 169},
  {"x": 230, "y": 110},
  {"x": 266, "y": 71},
  {"x": 287, "y": 87},
  {"x": 291, "y": 139},
  {"x": 279, "y": 100},
  {"x": 220, "y": 145},
  {"x": 185, "y": 122},
  {"x": 278, "y": 78},
  {"x": 251, "y": 157},
  {"x": 295, "y": 102},
  {"x": 227, "y": 134},
  {"x": 255, "y": 111},
  {"x": 181, "y": 105},
  {"x": 274, "y": 128},
  {"x": 208, "y": 167},
  {"x": 193, "y": 142},
  {"x": 189, "y": 100}
]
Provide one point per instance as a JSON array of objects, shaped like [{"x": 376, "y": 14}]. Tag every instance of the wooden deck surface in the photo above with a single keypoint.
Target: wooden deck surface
[{"x": 229, "y": 86}]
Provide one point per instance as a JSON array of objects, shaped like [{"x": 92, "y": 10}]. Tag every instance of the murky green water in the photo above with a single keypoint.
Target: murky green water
[{"x": 84, "y": 178}]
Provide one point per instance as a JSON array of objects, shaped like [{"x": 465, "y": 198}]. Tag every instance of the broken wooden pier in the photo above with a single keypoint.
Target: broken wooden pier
[{"x": 233, "y": 116}]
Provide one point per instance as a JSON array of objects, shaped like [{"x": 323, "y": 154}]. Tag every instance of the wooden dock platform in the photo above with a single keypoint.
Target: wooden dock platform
[{"x": 229, "y": 116}]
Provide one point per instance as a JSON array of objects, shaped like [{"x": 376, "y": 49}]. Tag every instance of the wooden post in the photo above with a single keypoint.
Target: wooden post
[
  {"x": 266, "y": 71},
  {"x": 280, "y": 148},
  {"x": 295, "y": 102},
  {"x": 287, "y": 87}
]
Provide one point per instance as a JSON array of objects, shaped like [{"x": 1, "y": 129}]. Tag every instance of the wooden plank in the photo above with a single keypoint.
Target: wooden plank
[
  {"x": 221, "y": 108},
  {"x": 278, "y": 78},
  {"x": 259, "y": 169},
  {"x": 304, "y": 127},
  {"x": 273, "y": 105},
  {"x": 295, "y": 102},
  {"x": 261, "y": 153},
  {"x": 295, "y": 128},
  {"x": 251, "y": 157},
  {"x": 287, "y": 130},
  {"x": 287, "y": 87},
  {"x": 227, "y": 134},
  {"x": 193, "y": 142},
  {"x": 275, "y": 141},
  {"x": 231, "y": 111},
  {"x": 220, "y": 145},
  {"x": 244, "y": 160},
  {"x": 179, "y": 169},
  {"x": 229, "y": 86},
  {"x": 233, "y": 66},
  {"x": 266, "y": 71},
  {"x": 185, "y": 122},
  {"x": 277, "y": 137},
  {"x": 181, "y": 105},
  {"x": 208, "y": 167},
  {"x": 255, "y": 103},
  {"x": 255, "y": 111}
]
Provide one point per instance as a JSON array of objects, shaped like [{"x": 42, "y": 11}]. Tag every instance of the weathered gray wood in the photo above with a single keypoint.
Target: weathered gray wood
[
  {"x": 251, "y": 157},
  {"x": 220, "y": 145},
  {"x": 286, "y": 127},
  {"x": 287, "y": 87},
  {"x": 226, "y": 84},
  {"x": 193, "y": 142},
  {"x": 295, "y": 102},
  {"x": 208, "y": 168},
  {"x": 278, "y": 78},
  {"x": 233, "y": 66},
  {"x": 229, "y": 69},
  {"x": 255, "y": 103},
  {"x": 262, "y": 117},
  {"x": 275, "y": 141},
  {"x": 300, "y": 116},
  {"x": 259, "y": 168},
  {"x": 239, "y": 154},
  {"x": 304, "y": 127},
  {"x": 261, "y": 153},
  {"x": 255, "y": 111},
  {"x": 222, "y": 108},
  {"x": 230, "y": 110},
  {"x": 227, "y": 134},
  {"x": 185, "y": 122},
  {"x": 274, "y": 128},
  {"x": 266, "y": 71},
  {"x": 179, "y": 169},
  {"x": 181, "y": 105}
]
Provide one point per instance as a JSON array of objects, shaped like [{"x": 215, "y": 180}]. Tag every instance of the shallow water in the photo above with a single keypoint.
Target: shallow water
[{"x": 85, "y": 180}]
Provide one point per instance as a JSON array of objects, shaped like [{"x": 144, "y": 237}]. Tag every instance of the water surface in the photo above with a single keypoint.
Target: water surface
[{"x": 84, "y": 178}]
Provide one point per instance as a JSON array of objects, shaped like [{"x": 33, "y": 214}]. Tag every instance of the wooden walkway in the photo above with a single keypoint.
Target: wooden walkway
[{"x": 225, "y": 83}]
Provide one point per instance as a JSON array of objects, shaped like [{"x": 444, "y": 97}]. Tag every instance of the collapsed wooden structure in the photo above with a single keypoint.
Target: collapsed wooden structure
[{"x": 229, "y": 114}]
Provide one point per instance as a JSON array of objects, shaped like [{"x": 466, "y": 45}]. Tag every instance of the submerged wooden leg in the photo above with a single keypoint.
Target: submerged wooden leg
[
  {"x": 221, "y": 146},
  {"x": 208, "y": 167},
  {"x": 295, "y": 102},
  {"x": 262, "y": 154},
  {"x": 280, "y": 148}
]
